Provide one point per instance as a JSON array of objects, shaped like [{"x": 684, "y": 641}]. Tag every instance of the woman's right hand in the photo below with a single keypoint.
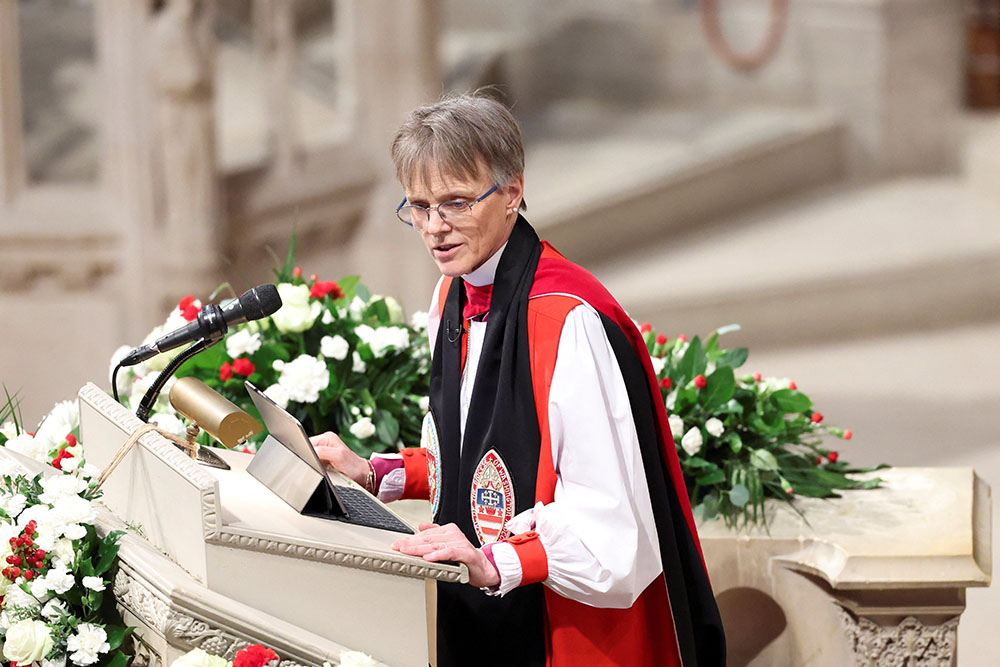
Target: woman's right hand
[{"x": 333, "y": 452}]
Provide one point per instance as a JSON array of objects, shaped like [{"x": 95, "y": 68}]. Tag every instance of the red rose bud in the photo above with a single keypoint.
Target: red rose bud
[
  {"x": 791, "y": 385},
  {"x": 789, "y": 490},
  {"x": 645, "y": 327},
  {"x": 71, "y": 440},
  {"x": 661, "y": 340},
  {"x": 324, "y": 287},
  {"x": 816, "y": 417},
  {"x": 848, "y": 434},
  {"x": 833, "y": 456},
  {"x": 225, "y": 372},
  {"x": 682, "y": 338},
  {"x": 313, "y": 278},
  {"x": 700, "y": 381},
  {"x": 243, "y": 366},
  {"x": 666, "y": 383},
  {"x": 297, "y": 272},
  {"x": 757, "y": 377}
]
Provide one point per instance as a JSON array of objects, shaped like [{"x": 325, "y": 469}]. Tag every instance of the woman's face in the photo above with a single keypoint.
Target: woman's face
[{"x": 460, "y": 246}]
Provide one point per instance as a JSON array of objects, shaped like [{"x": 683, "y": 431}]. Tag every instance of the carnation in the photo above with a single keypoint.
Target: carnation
[
  {"x": 59, "y": 486},
  {"x": 254, "y": 655},
  {"x": 382, "y": 339},
  {"x": 199, "y": 658},
  {"x": 278, "y": 394},
  {"x": 94, "y": 583},
  {"x": 359, "y": 364},
  {"x": 29, "y": 446},
  {"x": 356, "y": 659},
  {"x": 170, "y": 423},
  {"x": 303, "y": 378},
  {"x": 242, "y": 343},
  {"x": 363, "y": 428},
  {"x": 62, "y": 419},
  {"x": 418, "y": 320},
  {"x": 334, "y": 347},
  {"x": 89, "y": 641}
]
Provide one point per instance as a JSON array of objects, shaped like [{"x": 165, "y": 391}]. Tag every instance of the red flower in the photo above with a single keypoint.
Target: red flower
[
  {"x": 645, "y": 327},
  {"x": 666, "y": 383},
  {"x": 789, "y": 490},
  {"x": 833, "y": 456},
  {"x": 189, "y": 311},
  {"x": 661, "y": 340},
  {"x": 70, "y": 440},
  {"x": 816, "y": 417},
  {"x": 819, "y": 460},
  {"x": 313, "y": 278},
  {"x": 243, "y": 366},
  {"x": 757, "y": 377},
  {"x": 324, "y": 287},
  {"x": 792, "y": 385},
  {"x": 848, "y": 435},
  {"x": 700, "y": 381},
  {"x": 254, "y": 656},
  {"x": 185, "y": 302},
  {"x": 57, "y": 461},
  {"x": 682, "y": 338},
  {"x": 225, "y": 372},
  {"x": 297, "y": 272}
]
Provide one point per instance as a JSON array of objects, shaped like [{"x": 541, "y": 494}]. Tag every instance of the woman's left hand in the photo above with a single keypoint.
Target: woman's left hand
[{"x": 436, "y": 543}]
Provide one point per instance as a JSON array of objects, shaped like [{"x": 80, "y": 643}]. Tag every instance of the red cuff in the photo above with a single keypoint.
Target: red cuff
[
  {"x": 531, "y": 553},
  {"x": 415, "y": 465}
]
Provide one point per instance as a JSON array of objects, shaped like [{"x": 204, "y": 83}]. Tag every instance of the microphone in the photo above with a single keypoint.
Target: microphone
[{"x": 212, "y": 323}]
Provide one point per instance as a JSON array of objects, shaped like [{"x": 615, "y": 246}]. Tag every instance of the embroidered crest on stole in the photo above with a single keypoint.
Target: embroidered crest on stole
[
  {"x": 492, "y": 498},
  {"x": 433, "y": 448}
]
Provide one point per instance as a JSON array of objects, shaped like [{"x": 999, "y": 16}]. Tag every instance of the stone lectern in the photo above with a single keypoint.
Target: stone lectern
[{"x": 245, "y": 546}]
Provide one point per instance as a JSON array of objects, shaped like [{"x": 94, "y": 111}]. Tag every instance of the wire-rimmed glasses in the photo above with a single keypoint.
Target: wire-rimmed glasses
[{"x": 454, "y": 211}]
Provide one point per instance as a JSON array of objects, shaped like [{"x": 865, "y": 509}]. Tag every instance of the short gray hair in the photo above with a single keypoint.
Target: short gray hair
[{"x": 457, "y": 134}]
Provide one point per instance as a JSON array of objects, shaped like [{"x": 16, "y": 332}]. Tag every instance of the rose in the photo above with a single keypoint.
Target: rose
[
  {"x": 692, "y": 441},
  {"x": 297, "y": 312},
  {"x": 658, "y": 364},
  {"x": 676, "y": 425},
  {"x": 714, "y": 427},
  {"x": 359, "y": 364},
  {"x": 27, "y": 641},
  {"x": 254, "y": 655},
  {"x": 199, "y": 658},
  {"x": 363, "y": 428},
  {"x": 334, "y": 347}
]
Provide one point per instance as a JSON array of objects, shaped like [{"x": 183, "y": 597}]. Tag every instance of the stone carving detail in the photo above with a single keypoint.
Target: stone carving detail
[
  {"x": 136, "y": 598},
  {"x": 909, "y": 644},
  {"x": 145, "y": 655}
]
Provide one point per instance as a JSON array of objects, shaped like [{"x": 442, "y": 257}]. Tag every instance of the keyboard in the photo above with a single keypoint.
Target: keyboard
[{"x": 363, "y": 511}]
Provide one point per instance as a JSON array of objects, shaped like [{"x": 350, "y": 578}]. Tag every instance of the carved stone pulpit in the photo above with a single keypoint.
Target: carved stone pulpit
[{"x": 327, "y": 580}]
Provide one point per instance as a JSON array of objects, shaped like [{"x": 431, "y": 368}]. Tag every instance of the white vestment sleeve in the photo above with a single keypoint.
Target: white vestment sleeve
[{"x": 599, "y": 533}]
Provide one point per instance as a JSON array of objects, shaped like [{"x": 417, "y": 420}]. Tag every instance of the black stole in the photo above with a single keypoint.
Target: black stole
[{"x": 474, "y": 628}]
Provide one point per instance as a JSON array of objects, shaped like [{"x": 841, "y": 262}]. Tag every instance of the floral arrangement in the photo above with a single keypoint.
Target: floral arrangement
[
  {"x": 742, "y": 438},
  {"x": 54, "y": 564},
  {"x": 258, "y": 656},
  {"x": 334, "y": 355}
]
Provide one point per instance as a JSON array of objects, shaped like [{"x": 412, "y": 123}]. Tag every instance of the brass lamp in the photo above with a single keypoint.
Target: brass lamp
[{"x": 217, "y": 415}]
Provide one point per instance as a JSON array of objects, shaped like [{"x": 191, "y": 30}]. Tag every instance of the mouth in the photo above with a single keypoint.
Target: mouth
[{"x": 444, "y": 249}]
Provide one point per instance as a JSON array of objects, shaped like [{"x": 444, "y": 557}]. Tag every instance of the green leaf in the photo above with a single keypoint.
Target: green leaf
[
  {"x": 791, "y": 400},
  {"x": 386, "y": 427},
  {"x": 733, "y": 439},
  {"x": 693, "y": 363},
  {"x": 116, "y": 635},
  {"x": 119, "y": 659},
  {"x": 107, "y": 552},
  {"x": 763, "y": 460},
  {"x": 719, "y": 388},
  {"x": 739, "y": 495},
  {"x": 734, "y": 358},
  {"x": 713, "y": 477}
]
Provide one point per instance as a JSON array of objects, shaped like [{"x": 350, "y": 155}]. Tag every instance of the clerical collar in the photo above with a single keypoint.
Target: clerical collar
[{"x": 485, "y": 274}]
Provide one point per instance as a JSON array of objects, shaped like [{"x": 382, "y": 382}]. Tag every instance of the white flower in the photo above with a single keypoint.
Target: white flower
[
  {"x": 199, "y": 658},
  {"x": 714, "y": 427},
  {"x": 692, "y": 441},
  {"x": 425, "y": 403},
  {"x": 382, "y": 339},
  {"x": 94, "y": 583},
  {"x": 39, "y": 588},
  {"x": 327, "y": 317},
  {"x": 676, "y": 426},
  {"x": 395, "y": 310},
  {"x": 53, "y": 609},
  {"x": 169, "y": 423},
  {"x": 74, "y": 509},
  {"x": 363, "y": 428},
  {"x": 59, "y": 486},
  {"x": 356, "y": 659},
  {"x": 31, "y": 447},
  {"x": 297, "y": 312},
  {"x": 62, "y": 419},
  {"x": 63, "y": 550},
  {"x": 334, "y": 347},
  {"x": 58, "y": 661},
  {"x": 355, "y": 410},
  {"x": 59, "y": 579},
  {"x": 671, "y": 400},
  {"x": 418, "y": 320},
  {"x": 359, "y": 364},
  {"x": 356, "y": 307},
  {"x": 658, "y": 364},
  {"x": 8, "y": 430},
  {"x": 278, "y": 394},
  {"x": 304, "y": 377},
  {"x": 74, "y": 531},
  {"x": 242, "y": 343},
  {"x": 13, "y": 505},
  {"x": 27, "y": 641},
  {"x": 89, "y": 641}
]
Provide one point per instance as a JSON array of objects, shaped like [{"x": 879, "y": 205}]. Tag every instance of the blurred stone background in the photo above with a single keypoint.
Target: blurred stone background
[{"x": 838, "y": 196}]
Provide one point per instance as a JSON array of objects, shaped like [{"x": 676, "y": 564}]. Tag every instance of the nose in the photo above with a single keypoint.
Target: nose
[{"x": 435, "y": 223}]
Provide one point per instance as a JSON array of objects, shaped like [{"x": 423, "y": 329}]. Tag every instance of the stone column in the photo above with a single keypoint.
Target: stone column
[{"x": 12, "y": 171}]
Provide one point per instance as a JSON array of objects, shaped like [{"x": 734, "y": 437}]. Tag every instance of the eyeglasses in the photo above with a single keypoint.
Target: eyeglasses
[{"x": 454, "y": 211}]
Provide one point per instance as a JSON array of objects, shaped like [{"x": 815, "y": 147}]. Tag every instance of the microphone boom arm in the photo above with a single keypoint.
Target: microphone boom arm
[{"x": 146, "y": 404}]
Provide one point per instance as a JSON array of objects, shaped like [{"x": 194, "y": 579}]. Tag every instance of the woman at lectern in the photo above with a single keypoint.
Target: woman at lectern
[{"x": 546, "y": 454}]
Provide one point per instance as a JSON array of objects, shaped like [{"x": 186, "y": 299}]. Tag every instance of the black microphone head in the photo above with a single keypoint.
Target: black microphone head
[{"x": 260, "y": 301}]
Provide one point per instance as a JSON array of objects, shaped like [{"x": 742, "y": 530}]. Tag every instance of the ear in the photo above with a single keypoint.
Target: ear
[{"x": 513, "y": 193}]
